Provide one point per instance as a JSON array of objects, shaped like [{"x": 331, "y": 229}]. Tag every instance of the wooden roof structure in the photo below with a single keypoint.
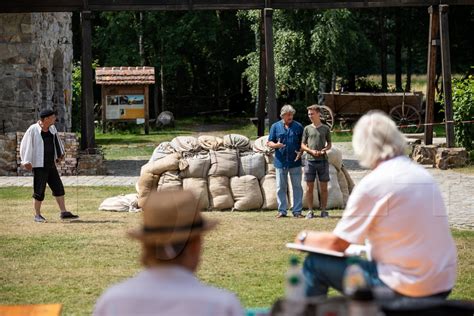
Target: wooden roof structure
[
  {"x": 125, "y": 75},
  {"x": 439, "y": 35}
]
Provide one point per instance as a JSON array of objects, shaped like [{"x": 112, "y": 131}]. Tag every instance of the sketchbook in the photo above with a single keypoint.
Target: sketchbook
[{"x": 352, "y": 250}]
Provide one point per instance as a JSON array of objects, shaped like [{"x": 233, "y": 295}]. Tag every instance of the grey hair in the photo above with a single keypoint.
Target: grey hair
[
  {"x": 376, "y": 138},
  {"x": 287, "y": 109}
]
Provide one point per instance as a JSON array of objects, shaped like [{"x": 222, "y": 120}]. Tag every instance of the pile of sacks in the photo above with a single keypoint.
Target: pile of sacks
[{"x": 229, "y": 173}]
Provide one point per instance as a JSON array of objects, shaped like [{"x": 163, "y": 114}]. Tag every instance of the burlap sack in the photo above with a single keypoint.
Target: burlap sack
[
  {"x": 161, "y": 151},
  {"x": 197, "y": 166},
  {"x": 210, "y": 142},
  {"x": 335, "y": 198},
  {"x": 269, "y": 193},
  {"x": 224, "y": 163},
  {"x": 198, "y": 186},
  {"x": 236, "y": 141},
  {"x": 146, "y": 184},
  {"x": 170, "y": 181},
  {"x": 335, "y": 157},
  {"x": 350, "y": 182},
  {"x": 185, "y": 144},
  {"x": 305, "y": 187},
  {"x": 219, "y": 193},
  {"x": 341, "y": 179},
  {"x": 252, "y": 164},
  {"x": 120, "y": 203},
  {"x": 168, "y": 163},
  {"x": 260, "y": 146},
  {"x": 246, "y": 193},
  {"x": 270, "y": 167}
]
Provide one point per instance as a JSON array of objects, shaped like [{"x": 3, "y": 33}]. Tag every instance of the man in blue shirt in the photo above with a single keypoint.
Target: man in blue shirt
[{"x": 285, "y": 137}]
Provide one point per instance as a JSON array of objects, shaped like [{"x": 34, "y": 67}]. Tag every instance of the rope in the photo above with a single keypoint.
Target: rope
[{"x": 412, "y": 125}]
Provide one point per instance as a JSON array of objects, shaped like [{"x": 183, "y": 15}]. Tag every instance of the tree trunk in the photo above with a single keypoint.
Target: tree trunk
[
  {"x": 162, "y": 78},
  {"x": 398, "y": 51},
  {"x": 140, "y": 40},
  {"x": 383, "y": 51}
]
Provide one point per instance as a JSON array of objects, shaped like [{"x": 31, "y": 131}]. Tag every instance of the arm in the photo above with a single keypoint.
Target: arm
[
  {"x": 328, "y": 143},
  {"x": 325, "y": 240},
  {"x": 272, "y": 138},
  {"x": 26, "y": 150}
]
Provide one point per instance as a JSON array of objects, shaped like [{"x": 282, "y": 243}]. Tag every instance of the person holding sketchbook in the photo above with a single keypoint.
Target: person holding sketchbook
[{"x": 398, "y": 210}]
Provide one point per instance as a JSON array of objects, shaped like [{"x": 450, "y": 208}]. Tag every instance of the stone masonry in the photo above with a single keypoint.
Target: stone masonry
[{"x": 35, "y": 69}]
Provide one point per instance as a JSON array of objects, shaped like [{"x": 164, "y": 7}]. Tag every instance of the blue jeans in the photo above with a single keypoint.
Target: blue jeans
[
  {"x": 282, "y": 189},
  {"x": 321, "y": 272}
]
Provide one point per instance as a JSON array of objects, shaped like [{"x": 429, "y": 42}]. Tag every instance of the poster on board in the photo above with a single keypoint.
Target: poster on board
[{"x": 125, "y": 107}]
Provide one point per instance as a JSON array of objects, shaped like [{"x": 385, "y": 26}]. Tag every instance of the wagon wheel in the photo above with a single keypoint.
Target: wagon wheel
[
  {"x": 327, "y": 116},
  {"x": 407, "y": 118}
]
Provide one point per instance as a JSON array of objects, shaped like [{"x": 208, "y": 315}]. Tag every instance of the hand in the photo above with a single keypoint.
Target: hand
[
  {"x": 279, "y": 145},
  {"x": 315, "y": 153},
  {"x": 28, "y": 166},
  {"x": 298, "y": 155}
]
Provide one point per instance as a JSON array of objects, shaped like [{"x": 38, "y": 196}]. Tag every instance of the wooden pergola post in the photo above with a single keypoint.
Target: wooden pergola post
[
  {"x": 433, "y": 43},
  {"x": 446, "y": 66},
  {"x": 270, "y": 66},
  {"x": 261, "y": 80},
  {"x": 87, "y": 104}
]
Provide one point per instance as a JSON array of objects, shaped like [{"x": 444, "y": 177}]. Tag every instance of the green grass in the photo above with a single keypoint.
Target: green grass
[{"x": 72, "y": 263}]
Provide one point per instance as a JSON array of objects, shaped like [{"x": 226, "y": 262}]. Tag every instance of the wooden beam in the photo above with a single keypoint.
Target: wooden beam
[
  {"x": 261, "y": 79},
  {"x": 87, "y": 104},
  {"x": 446, "y": 66},
  {"x": 270, "y": 67},
  {"x": 103, "y": 98},
  {"x": 147, "y": 109},
  {"x": 431, "y": 73}
]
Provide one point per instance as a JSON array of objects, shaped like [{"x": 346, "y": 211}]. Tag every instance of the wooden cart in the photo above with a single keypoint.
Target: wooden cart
[{"x": 406, "y": 109}]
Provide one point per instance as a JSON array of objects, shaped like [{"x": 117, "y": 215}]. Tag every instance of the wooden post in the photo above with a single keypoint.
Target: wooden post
[
  {"x": 147, "y": 110},
  {"x": 87, "y": 104},
  {"x": 270, "y": 66},
  {"x": 431, "y": 73},
  {"x": 103, "y": 98},
  {"x": 446, "y": 66},
  {"x": 261, "y": 80}
]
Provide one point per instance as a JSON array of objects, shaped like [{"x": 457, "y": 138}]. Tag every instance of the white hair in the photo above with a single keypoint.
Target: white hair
[
  {"x": 376, "y": 138},
  {"x": 287, "y": 109}
]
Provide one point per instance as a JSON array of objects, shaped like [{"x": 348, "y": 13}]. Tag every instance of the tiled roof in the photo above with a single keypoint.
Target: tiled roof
[{"x": 125, "y": 75}]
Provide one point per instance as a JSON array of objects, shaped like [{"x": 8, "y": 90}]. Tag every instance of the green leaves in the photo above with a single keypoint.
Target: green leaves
[{"x": 463, "y": 107}]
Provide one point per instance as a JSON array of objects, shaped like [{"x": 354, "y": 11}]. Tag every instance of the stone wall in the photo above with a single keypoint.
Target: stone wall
[
  {"x": 35, "y": 68},
  {"x": 8, "y": 166}
]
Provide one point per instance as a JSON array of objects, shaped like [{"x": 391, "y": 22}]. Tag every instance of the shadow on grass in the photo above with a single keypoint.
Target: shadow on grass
[{"x": 80, "y": 221}]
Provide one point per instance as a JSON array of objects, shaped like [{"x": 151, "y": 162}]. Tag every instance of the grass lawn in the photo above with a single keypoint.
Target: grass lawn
[{"x": 72, "y": 263}]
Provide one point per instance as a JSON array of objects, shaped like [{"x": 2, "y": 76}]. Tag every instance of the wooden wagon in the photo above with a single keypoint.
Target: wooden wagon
[{"x": 406, "y": 109}]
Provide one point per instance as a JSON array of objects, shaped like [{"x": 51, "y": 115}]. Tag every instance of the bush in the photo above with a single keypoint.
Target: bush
[{"x": 463, "y": 108}]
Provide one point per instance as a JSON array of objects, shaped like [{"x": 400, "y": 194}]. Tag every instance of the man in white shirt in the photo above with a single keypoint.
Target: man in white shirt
[
  {"x": 171, "y": 239},
  {"x": 40, "y": 149},
  {"x": 399, "y": 211}
]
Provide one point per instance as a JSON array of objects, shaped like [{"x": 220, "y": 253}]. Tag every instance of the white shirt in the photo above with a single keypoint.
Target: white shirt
[
  {"x": 32, "y": 146},
  {"x": 399, "y": 209},
  {"x": 171, "y": 291}
]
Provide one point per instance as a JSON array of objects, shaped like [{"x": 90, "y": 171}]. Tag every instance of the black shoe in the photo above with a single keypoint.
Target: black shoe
[
  {"x": 298, "y": 215},
  {"x": 68, "y": 215},
  {"x": 40, "y": 219},
  {"x": 324, "y": 214}
]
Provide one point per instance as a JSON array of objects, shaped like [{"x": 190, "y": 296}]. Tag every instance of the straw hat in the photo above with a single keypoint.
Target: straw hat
[{"x": 171, "y": 217}]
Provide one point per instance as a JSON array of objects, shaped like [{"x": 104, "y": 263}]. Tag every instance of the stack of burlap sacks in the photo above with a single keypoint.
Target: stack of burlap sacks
[{"x": 229, "y": 173}]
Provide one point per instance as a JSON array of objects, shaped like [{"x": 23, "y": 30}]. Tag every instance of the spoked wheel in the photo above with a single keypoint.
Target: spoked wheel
[
  {"x": 327, "y": 116},
  {"x": 407, "y": 118}
]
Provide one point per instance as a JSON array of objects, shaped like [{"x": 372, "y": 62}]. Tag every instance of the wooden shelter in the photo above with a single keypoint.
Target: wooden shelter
[
  {"x": 439, "y": 35},
  {"x": 125, "y": 94}
]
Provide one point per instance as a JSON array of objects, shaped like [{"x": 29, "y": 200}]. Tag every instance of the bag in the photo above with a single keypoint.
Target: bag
[
  {"x": 197, "y": 166},
  {"x": 120, "y": 203},
  {"x": 269, "y": 193},
  {"x": 246, "y": 193},
  {"x": 236, "y": 141},
  {"x": 270, "y": 167},
  {"x": 335, "y": 198},
  {"x": 260, "y": 146},
  {"x": 335, "y": 157},
  {"x": 350, "y": 182},
  {"x": 146, "y": 184},
  {"x": 168, "y": 163},
  {"x": 198, "y": 187},
  {"x": 183, "y": 144},
  {"x": 341, "y": 180},
  {"x": 210, "y": 142},
  {"x": 252, "y": 164},
  {"x": 161, "y": 151},
  {"x": 224, "y": 163},
  {"x": 220, "y": 195},
  {"x": 170, "y": 181}
]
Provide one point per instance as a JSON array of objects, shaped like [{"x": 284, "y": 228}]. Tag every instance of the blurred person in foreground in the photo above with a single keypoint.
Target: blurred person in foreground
[
  {"x": 285, "y": 137},
  {"x": 171, "y": 239},
  {"x": 398, "y": 210}
]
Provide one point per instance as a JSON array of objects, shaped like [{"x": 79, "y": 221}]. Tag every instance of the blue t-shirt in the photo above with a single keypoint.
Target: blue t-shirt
[{"x": 291, "y": 137}]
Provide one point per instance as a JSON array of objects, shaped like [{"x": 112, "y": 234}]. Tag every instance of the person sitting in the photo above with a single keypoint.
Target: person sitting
[
  {"x": 398, "y": 210},
  {"x": 171, "y": 239}
]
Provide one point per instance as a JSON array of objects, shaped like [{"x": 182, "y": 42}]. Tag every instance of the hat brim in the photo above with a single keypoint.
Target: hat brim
[{"x": 171, "y": 237}]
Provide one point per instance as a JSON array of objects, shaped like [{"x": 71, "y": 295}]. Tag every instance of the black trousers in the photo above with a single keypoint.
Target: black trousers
[{"x": 43, "y": 176}]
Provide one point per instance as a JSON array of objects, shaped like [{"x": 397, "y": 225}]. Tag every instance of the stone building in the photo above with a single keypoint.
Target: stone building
[{"x": 35, "y": 69}]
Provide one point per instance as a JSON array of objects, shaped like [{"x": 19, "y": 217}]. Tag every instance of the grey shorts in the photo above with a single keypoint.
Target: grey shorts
[{"x": 316, "y": 167}]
